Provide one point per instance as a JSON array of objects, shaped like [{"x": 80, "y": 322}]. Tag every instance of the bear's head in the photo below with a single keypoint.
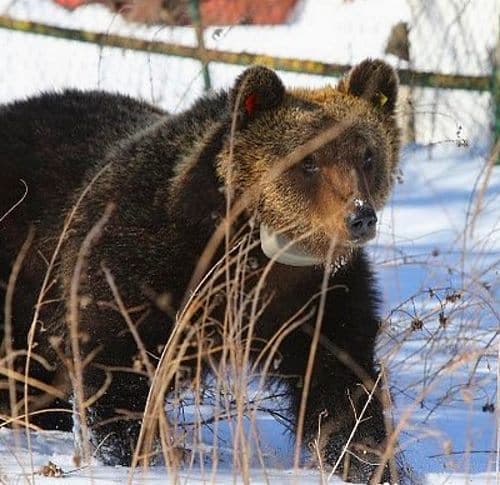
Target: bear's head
[{"x": 316, "y": 164}]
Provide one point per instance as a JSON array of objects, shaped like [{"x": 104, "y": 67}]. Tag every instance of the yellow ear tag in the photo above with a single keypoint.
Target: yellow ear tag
[{"x": 382, "y": 99}]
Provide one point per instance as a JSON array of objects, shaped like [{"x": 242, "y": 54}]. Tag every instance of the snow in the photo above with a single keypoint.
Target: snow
[
  {"x": 438, "y": 236},
  {"x": 57, "y": 447},
  {"x": 445, "y": 36},
  {"x": 430, "y": 213}
]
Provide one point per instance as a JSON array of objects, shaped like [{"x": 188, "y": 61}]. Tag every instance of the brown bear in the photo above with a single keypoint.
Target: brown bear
[{"x": 117, "y": 191}]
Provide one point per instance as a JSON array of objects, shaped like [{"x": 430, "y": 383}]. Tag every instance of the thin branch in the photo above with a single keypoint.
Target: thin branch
[{"x": 19, "y": 202}]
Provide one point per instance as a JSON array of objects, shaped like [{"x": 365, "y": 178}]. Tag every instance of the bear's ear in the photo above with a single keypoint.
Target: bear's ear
[
  {"x": 373, "y": 80},
  {"x": 256, "y": 89}
]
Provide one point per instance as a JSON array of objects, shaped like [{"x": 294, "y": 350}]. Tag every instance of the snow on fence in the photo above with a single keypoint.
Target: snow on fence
[
  {"x": 450, "y": 70},
  {"x": 407, "y": 77}
]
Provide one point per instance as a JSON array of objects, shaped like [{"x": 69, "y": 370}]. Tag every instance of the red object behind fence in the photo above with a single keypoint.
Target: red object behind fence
[
  {"x": 71, "y": 3},
  {"x": 213, "y": 12}
]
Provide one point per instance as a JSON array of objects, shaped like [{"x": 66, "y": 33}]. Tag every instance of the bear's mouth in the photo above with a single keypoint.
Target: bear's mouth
[{"x": 280, "y": 248}]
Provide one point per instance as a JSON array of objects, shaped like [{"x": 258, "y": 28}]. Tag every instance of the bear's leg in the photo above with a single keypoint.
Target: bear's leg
[
  {"x": 115, "y": 383},
  {"x": 115, "y": 419},
  {"x": 116, "y": 379},
  {"x": 335, "y": 425}
]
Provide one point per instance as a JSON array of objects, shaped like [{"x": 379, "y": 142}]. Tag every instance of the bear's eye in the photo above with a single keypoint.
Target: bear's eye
[
  {"x": 368, "y": 160},
  {"x": 309, "y": 166}
]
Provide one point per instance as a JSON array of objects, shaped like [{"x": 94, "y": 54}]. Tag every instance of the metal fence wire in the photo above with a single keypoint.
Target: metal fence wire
[{"x": 444, "y": 51}]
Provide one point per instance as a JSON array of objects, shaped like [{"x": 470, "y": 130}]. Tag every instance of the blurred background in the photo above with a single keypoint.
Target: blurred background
[{"x": 435, "y": 37}]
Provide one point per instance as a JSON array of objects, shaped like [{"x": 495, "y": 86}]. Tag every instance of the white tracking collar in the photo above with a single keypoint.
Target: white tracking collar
[{"x": 283, "y": 250}]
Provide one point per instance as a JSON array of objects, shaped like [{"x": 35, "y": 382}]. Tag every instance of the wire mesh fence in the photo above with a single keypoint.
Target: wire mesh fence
[{"x": 445, "y": 37}]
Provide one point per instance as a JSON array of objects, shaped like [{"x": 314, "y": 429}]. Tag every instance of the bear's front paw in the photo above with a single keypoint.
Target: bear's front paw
[{"x": 356, "y": 462}]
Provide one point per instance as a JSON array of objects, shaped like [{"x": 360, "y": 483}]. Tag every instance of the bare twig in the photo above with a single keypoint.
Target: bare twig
[{"x": 18, "y": 203}]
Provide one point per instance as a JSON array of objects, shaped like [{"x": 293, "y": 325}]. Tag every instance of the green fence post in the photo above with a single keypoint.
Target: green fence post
[
  {"x": 197, "y": 24},
  {"x": 495, "y": 93}
]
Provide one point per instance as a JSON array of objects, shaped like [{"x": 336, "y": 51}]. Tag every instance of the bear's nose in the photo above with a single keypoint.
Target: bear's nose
[{"x": 361, "y": 223}]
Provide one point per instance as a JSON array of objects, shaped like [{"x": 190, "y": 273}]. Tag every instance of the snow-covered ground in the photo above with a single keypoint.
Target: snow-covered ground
[
  {"x": 442, "y": 375},
  {"x": 438, "y": 250},
  {"x": 440, "y": 271}
]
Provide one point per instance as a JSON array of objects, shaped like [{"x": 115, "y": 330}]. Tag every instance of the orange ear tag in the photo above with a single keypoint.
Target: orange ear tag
[
  {"x": 382, "y": 99},
  {"x": 250, "y": 101}
]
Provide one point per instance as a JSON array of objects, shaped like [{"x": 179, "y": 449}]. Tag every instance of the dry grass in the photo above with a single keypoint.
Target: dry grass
[
  {"x": 230, "y": 355},
  {"x": 240, "y": 386}
]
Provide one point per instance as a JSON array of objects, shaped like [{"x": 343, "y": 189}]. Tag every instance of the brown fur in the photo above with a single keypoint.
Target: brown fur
[
  {"x": 303, "y": 114},
  {"x": 168, "y": 179}
]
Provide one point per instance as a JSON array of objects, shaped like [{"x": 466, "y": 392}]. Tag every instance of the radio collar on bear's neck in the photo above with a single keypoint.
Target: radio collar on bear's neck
[{"x": 283, "y": 250}]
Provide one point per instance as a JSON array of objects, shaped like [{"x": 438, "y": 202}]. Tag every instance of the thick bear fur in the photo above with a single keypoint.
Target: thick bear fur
[{"x": 163, "y": 182}]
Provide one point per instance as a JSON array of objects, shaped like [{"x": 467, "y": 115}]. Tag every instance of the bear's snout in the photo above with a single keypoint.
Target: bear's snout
[{"x": 361, "y": 223}]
